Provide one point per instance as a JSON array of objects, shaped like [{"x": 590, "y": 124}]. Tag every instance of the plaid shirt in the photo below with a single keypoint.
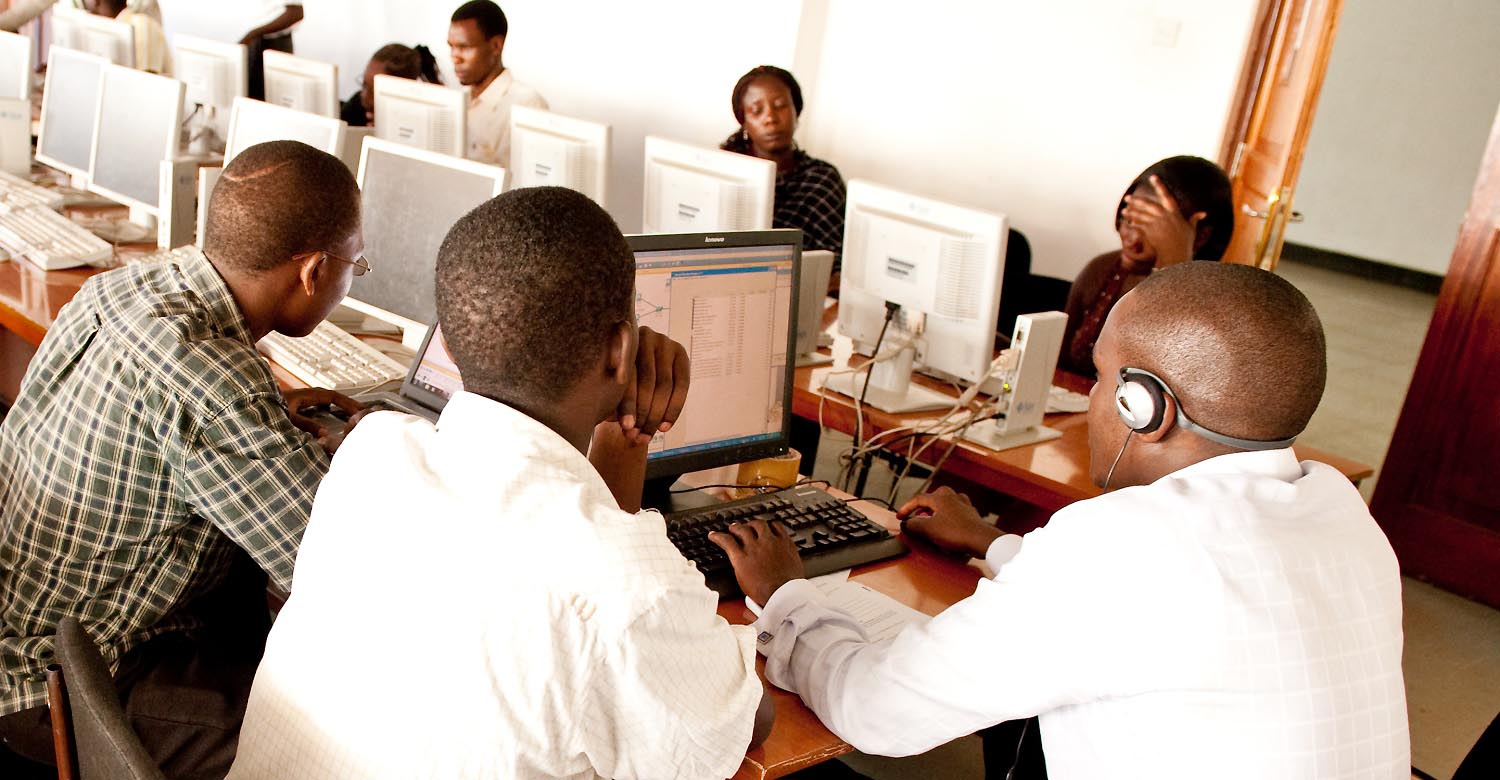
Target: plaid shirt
[
  {"x": 811, "y": 197},
  {"x": 148, "y": 441}
]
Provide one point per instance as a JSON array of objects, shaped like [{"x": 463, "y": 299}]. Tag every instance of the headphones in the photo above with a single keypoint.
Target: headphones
[{"x": 1140, "y": 401}]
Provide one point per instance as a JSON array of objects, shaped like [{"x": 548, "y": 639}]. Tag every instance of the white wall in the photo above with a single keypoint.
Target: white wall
[
  {"x": 1401, "y": 125},
  {"x": 1042, "y": 111}
]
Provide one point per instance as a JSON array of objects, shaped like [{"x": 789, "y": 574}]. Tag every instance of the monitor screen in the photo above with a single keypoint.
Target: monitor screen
[
  {"x": 434, "y": 379},
  {"x": 15, "y": 66},
  {"x": 70, "y": 103},
  {"x": 411, "y": 199},
  {"x": 730, "y": 300},
  {"x": 135, "y": 131}
]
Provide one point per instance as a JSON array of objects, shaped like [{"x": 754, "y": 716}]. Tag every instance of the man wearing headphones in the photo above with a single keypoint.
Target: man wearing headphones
[{"x": 1225, "y": 611}]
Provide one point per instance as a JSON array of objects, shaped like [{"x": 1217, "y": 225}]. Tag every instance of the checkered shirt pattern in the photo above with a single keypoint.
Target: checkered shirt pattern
[
  {"x": 811, "y": 198},
  {"x": 149, "y": 439}
]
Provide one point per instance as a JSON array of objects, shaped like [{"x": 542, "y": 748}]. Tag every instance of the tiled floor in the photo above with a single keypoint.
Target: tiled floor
[{"x": 1375, "y": 332}]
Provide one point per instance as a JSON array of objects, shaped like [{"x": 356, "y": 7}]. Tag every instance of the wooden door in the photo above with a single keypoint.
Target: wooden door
[
  {"x": 1438, "y": 498},
  {"x": 1283, "y": 76}
]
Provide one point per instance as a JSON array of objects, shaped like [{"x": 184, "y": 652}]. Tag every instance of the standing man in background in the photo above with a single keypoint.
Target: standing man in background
[
  {"x": 275, "y": 32},
  {"x": 477, "y": 39}
]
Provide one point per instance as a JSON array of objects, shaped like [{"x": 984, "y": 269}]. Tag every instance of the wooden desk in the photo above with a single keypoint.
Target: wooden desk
[
  {"x": 922, "y": 579},
  {"x": 1049, "y": 475}
]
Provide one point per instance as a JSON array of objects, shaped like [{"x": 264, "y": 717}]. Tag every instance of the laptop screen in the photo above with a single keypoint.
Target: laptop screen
[{"x": 433, "y": 378}]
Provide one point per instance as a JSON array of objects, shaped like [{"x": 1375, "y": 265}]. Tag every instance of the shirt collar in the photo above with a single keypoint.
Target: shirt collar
[
  {"x": 1279, "y": 464},
  {"x": 495, "y": 90},
  {"x": 203, "y": 279},
  {"x": 476, "y": 422}
]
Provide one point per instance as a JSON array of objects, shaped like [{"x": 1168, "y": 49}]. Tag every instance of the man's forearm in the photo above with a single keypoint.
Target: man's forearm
[{"x": 289, "y": 17}]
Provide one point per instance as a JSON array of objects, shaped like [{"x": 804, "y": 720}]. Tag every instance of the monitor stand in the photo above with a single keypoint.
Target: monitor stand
[
  {"x": 993, "y": 435},
  {"x": 657, "y": 494},
  {"x": 813, "y": 359},
  {"x": 890, "y": 384}
]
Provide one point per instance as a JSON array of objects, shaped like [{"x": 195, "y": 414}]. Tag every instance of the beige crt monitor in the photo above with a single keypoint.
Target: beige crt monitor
[
  {"x": 70, "y": 104},
  {"x": 215, "y": 74},
  {"x": 15, "y": 66},
  {"x": 693, "y": 189},
  {"x": 135, "y": 130},
  {"x": 548, "y": 149},
  {"x": 302, "y": 84},
  {"x": 427, "y": 116},
  {"x": 254, "y": 122},
  {"x": 98, "y": 35}
]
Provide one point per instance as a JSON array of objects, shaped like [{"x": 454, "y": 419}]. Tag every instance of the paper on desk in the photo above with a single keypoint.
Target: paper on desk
[{"x": 881, "y": 616}]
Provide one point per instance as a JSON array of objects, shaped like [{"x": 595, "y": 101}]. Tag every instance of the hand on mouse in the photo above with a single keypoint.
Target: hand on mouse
[
  {"x": 654, "y": 400},
  {"x": 948, "y": 520},
  {"x": 307, "y": 398}
]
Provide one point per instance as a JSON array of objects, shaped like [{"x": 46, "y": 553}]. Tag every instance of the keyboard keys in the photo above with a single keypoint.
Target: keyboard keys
[
  {"x": 50, "y": 240},
  {"x": 331, "y": 358}
]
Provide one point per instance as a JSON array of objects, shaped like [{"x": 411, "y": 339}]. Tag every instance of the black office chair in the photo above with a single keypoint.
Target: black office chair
[
  {"x": 89, "y": 728},
  {"x": 1483, "y": 761},
  {"x": 1021, "y": 291}
]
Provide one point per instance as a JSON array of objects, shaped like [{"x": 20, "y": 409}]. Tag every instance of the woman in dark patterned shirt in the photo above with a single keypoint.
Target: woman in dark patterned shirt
[
  {"x": 809, "y": 192},
  {"x": 1177, "y": 210}
]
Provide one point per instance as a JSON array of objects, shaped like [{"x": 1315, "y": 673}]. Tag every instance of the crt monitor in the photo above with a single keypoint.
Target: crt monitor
[
  {"x": 214, "y": 71},
  {"x": 254, "y": 122},
  {"x": 415, "y": 113},
  {"x": 694, "y": 189},
  {"x": 942, "y": 264},
  {"x": 302, "y": 84},
  {"x": 136, "y": 129},
  {"x": 730, "y": 300},
  {"x": 548, "y": 149},
  {"x": 411, "y": 197},
  {"x": 15, "y": 66},
  {"x": 70, "y": 103},
  {"x": 102, "y": 36}
]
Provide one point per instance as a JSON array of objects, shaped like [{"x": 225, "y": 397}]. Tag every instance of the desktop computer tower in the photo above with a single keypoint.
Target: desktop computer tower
[
  {"x": 1037, "y": 340},
  {"x": 178, "y": 190}
]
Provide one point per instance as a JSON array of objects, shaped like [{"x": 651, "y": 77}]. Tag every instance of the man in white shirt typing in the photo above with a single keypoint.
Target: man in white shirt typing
[
  {"x": 480, "y": 599},
  {"x": 476, "y": 38},
  {"x": 1226, "y": 612}
]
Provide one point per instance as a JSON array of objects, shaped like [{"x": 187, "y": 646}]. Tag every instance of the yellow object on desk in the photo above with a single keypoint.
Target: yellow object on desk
[{"x": 779, "y": 471}]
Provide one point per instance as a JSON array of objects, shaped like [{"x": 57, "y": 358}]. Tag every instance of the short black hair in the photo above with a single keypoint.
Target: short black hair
[
  {"x": 529, "y": 286},
  {"x": 486, "y": 15},
  {"x": 1197, "y": 185},
  {"x": 1242, "y": 348},
  {"x": 276, "y": 200},
  {"x": 415, "y": 63}
]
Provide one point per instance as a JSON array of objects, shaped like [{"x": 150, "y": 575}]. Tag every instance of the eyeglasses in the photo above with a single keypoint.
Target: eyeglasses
[{"x": 361, "y": 264}]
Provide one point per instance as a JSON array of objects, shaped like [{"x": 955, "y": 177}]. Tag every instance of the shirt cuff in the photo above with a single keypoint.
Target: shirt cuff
[
  {"x": 1001, "y": 551},
  {"x": 786, "y": 598}
]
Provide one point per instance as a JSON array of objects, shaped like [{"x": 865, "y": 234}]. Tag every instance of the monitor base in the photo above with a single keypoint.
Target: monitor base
[
  {"x": 915, "y": 399},
  {"x": 989, "y": 434},
  {"x": 813, "y": 359}
]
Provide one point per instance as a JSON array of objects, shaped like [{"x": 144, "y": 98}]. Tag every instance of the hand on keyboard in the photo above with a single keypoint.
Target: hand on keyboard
[{"x": 763, "y": 555}]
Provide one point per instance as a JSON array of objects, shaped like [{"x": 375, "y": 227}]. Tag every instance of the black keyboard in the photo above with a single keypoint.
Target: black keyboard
[{"x": 830, "y": 535}]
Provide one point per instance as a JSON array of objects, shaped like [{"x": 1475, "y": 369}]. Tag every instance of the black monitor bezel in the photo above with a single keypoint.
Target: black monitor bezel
[{"x": 676, "y": 465}]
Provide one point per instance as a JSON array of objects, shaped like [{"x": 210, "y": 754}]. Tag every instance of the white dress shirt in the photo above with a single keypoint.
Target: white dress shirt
[
  {"x": 489, "y": 117},
  {"x": 470, "y": 601},
  {"x": 1240, "y": 618}
]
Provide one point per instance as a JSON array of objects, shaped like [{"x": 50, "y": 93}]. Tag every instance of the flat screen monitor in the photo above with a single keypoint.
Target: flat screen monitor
[
  {"x": 214, "y": 71},
  {"x": 254, "y": 122},
  {"x": 695, "y": 189},
  {"x": 136, "y": 129},
  {"x": 411, "y": 198},
  {"x": 427, "y": 116},
  {"x": 70, "y": 103},
  {"x": 302, "y": 84},
  {"x": 15, "y": 66},
  {"x": 548, "y": 149},
  {"x": 433, "y": 380},
  {"x": 934, "y": 259},
  {"x": 98, "y": 35},
  {"x": 730, "y": 299}
]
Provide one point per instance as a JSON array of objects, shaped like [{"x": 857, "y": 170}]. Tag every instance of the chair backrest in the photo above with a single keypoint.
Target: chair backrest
[{"x": 107, "y": 747}]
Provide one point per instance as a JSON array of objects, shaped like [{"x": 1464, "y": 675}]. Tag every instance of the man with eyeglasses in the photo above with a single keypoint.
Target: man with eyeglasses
[{"x": 152, "y": 473}]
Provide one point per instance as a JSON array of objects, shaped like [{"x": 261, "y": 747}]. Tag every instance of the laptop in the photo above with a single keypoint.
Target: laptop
[
  {"x": 430, "y": 381},
  {"x": 817, "y": 269}
]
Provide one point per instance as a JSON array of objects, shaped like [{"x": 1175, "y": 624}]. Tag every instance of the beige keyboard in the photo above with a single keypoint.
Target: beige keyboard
[
  {"x": 332, "y": 358},
  {"x": 18, "y": 193},
  {"x": 50, "y": 240}
]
